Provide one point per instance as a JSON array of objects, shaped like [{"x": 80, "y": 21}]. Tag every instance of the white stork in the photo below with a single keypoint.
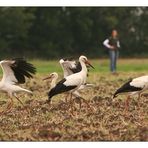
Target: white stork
[
  {"x": 14, "y": 73},
  {"x": 72, "y": 82},
  {"x": 133, "y": 87},
  {"x": 53, "y": 79}
]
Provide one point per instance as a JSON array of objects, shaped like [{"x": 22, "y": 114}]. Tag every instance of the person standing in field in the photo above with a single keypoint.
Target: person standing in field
[{"x": 112, "y": 43}]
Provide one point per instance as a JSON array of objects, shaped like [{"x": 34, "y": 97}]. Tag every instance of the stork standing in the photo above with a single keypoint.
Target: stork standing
[
  {"x": 133, "y": 87},
  {"x": 14, "y": 73},
  {"x": 71, "y": 83},
  {"x": 53, "y": 79}
]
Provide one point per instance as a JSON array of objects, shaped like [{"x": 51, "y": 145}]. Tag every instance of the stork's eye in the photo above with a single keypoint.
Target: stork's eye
[{"x": 51, "y": 75}]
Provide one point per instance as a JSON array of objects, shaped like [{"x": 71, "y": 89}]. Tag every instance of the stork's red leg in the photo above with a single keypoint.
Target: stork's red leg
[
  {"x": 19, "y": 100},
  {"x": 66, "y": 99},
  {"x": 10, "y": 104},
  {"x": 71, "y": 104},
  {"x": 8, "y": 108},
  {"x": 127, "y": 103},
  {"x": 80, "y": 104},
  {"x": 87, "y": 104},
  {"x": 139, "y": 109},
  {"x": 139, "y": 97},
  {"x": 22, "y": 104}
]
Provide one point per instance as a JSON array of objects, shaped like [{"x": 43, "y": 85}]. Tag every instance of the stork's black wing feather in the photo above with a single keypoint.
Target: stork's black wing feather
[
  {"x": 59, "y": 88},
  {"x": 127, "y": 88},
  {"x": 22, "y": 69},
  {"x": 77, "y": 69}
]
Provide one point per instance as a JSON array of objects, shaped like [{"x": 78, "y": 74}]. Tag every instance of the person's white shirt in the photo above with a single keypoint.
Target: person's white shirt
[{"x": 106, "y": 44}]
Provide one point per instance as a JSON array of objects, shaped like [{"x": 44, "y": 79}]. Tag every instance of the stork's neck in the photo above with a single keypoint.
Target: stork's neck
[
  {"x": 84, "y": 68},
  {"x": 62, "y": 66},
  {"x": 1, "y": 84},
  {"x": 53, "y": 82}
]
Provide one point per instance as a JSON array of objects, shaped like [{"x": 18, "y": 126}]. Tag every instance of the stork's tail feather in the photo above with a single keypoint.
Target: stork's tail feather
[
  {"x": 115, "y": 95},
  {"x": 118, "y": 91},
  {"x": 48, "y": 101},
  {"x": 50, "y": 95},
  {"x": 28, "y": 91},
  {"x": 89, "y": 85}
]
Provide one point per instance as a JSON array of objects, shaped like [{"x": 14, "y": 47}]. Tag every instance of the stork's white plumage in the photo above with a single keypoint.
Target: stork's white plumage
[
  {"x": 133, "y": 87},
  {"x": 73, "y": 82},
  {"x": 14, "y": 72}
]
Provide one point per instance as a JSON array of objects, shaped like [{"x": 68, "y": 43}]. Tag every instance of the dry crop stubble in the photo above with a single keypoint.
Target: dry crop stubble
[{"x": 106, "y": 122}]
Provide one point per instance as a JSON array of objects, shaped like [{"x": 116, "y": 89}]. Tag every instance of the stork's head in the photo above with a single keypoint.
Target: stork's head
[
  {"x": 8, "y": 62},
  {"x": 61, "y": 61},
  {"x": 52, "y": 76},
  {"x": 85, "y": 60}
]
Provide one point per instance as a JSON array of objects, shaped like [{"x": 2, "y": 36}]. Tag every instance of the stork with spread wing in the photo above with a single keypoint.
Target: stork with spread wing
[{"x": 15, "y": 72}]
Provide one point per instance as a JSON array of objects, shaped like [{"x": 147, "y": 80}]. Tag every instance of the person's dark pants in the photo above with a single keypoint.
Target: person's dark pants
[{"x": 113, "y": 59}]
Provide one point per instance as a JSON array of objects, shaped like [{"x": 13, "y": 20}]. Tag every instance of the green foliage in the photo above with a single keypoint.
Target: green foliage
[
  {"x": 14, "y": 28},
  {"x": 51, "y": 32}
]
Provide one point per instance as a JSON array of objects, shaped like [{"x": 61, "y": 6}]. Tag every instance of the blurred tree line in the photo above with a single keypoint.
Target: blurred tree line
[{"x": 50, "y": 32}]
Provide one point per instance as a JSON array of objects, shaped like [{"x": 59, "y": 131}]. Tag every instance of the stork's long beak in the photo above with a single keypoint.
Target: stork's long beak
[
  {"x": 87, "y": 62},
  {"x": 49, "y": 77}
]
